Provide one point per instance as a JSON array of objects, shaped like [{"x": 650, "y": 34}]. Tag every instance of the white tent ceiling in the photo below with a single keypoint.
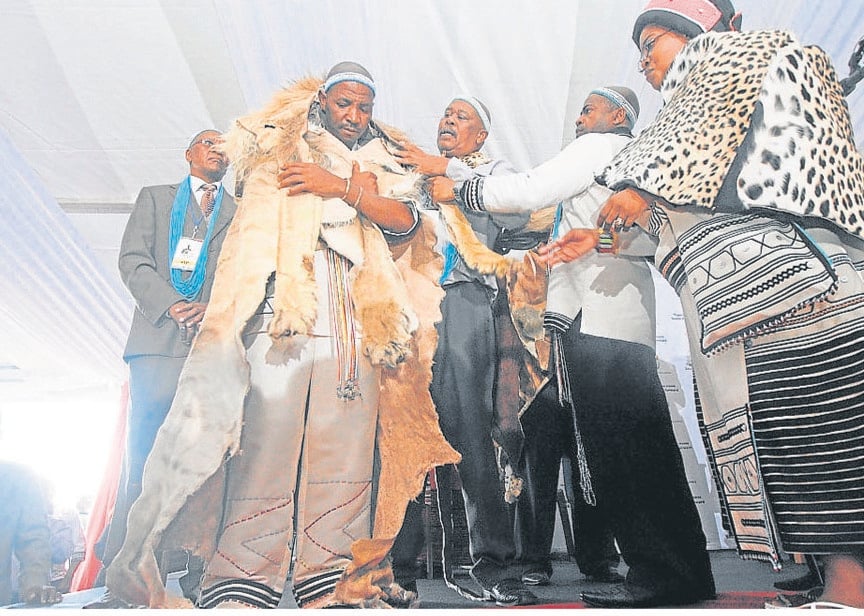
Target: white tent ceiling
[{"x": 101, "y": 96}]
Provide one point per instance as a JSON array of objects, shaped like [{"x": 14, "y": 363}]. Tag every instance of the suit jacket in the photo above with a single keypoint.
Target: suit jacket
[{"x": 145, "y": 270}]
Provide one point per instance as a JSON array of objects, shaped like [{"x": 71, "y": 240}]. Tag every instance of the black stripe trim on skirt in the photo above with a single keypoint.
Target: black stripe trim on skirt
[
  {"x": 247, "y": 592},
  {"x": 316, "y": 587}
]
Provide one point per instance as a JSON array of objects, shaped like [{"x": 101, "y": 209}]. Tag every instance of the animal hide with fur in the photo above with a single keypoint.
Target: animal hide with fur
[
  {"x": 522, "y": 349},
  {"x": 524, "y": 280},
  {"x": 183, "y": 478}
]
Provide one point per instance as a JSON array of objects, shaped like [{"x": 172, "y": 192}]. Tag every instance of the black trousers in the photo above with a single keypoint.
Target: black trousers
[
  {"x": 635, "y": 464},
  {"x": 408, "y": 544},
  {"x": 549, "y": 443},
  {"x": 463, "y": 389}
]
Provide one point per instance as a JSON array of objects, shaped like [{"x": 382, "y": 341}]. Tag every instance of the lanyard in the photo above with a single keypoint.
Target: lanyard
[{"x": 197, "y": 223}]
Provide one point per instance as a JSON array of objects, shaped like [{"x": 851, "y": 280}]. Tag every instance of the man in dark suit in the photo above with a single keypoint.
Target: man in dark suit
[{"x": 168, "y": 259}]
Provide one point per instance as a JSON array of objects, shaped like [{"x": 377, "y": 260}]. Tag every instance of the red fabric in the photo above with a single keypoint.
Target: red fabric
[{"x": 103, "y": 507}]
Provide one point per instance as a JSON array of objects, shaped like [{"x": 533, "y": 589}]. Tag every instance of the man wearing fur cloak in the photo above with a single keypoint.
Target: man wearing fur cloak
[{"x": 312, "y": 366}]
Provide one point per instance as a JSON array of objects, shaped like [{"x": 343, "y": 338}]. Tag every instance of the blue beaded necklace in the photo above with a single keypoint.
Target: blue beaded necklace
[{"x": 191, "y": 286}]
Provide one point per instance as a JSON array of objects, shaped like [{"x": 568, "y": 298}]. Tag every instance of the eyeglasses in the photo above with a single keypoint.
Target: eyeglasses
[
  {"x": 210, "y": 142},
  {"x": 648, "y": 46}
]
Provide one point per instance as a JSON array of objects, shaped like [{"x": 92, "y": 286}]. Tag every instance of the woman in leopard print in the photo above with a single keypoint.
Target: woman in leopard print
[{"x": 751, "y": 180}]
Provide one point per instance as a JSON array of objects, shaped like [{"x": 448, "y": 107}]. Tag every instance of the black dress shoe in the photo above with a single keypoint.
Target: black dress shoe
[
  {"x": 628, "y": 596},
  {"x": 604, "y": 576},
  {"x": 507, "y": 593}
]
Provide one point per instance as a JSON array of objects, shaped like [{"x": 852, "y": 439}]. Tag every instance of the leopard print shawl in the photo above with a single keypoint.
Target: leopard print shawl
[{"x": 799, "y": 157}]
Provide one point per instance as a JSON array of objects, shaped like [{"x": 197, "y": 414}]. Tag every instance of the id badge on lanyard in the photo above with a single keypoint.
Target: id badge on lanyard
[{"x": 186, "y": 254}]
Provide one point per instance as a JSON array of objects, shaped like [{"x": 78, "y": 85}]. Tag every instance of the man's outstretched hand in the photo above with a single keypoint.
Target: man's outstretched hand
[{"x": 569, "y": 247}]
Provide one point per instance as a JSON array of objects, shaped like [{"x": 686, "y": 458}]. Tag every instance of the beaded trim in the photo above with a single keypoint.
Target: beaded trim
[
  {"x": 342, "y": 320},
  {"x": 607, "y": 242},
  {"x": 565, "y": 399}
]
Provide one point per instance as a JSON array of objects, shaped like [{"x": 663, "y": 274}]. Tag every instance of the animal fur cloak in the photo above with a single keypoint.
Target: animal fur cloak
[
  {"x": 522, "y": 351},
  {"x": 396, "y": 301},
  {"x": 524, "y": 282}
]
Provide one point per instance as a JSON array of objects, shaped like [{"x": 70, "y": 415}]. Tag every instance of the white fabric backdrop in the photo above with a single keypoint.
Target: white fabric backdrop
[
  {"x": 64, "y": 318},
  {"x": 101, "y": 97}
]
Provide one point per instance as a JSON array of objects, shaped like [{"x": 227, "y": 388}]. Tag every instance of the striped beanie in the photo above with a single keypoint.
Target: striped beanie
[
  {"x": 481, "y": 109},
  {"x": 348, "y": 71}
]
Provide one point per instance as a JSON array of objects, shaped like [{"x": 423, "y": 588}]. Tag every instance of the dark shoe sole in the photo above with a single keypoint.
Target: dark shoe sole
[{"x": 623, "y": 598}]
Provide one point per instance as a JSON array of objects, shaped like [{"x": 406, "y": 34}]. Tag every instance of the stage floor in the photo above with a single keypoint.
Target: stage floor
[{"x": 740, "y": 584}]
